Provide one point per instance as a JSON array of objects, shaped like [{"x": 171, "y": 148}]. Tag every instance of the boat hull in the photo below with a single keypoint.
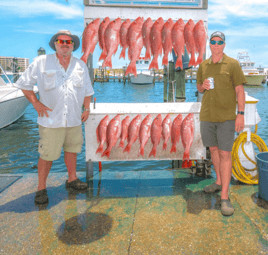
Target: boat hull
[
  {"x": 13, "y": 104},
  {"x": 142, "y": 79},
  {"x": 254, "y": 80}
]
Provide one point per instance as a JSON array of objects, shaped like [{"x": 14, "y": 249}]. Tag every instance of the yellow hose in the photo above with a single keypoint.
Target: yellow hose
[{"x": 242, "y": 174}]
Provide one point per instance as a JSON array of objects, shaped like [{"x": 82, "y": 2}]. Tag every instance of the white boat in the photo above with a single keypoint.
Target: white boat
[
  {"x": 253, "y": 75},
  {"x": 144, "y": 75},
  {"x": 13, "y": 103}
]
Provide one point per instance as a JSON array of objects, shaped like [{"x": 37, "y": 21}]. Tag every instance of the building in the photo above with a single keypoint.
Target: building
[{"x": 7, "y": 63}]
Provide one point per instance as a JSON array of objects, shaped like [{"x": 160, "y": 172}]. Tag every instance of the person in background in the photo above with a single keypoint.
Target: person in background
[
  {"x": 64, "y": 87},
  {"x": 218, "y": 118}
]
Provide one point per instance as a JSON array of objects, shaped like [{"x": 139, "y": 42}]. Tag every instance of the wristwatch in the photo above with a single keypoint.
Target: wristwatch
[{"x": 240, "y": 112}]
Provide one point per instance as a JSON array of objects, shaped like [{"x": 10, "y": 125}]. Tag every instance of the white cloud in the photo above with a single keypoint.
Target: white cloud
[
  {"x": 221, "y": 12},
  {"x": 31, "y": 8}
]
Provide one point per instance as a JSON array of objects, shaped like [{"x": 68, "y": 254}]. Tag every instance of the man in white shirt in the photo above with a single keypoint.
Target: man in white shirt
[{"x": 64, "y": 87}]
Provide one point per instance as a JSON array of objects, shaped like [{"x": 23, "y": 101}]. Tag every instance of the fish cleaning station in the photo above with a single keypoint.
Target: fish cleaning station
[{"x": 147, "y": 210}]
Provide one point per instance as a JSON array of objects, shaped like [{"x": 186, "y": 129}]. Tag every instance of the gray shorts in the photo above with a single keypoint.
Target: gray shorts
[{"x": 220, "y": 134}]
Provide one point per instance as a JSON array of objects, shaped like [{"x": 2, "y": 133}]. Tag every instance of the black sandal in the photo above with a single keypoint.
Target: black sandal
[{"x": 41, "y": 197}]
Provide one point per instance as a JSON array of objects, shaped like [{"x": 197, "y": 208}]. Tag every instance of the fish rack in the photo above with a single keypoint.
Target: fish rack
[{"x": 197, "y": 151}]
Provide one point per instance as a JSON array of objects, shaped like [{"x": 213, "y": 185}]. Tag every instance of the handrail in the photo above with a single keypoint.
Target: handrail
[{"x": 5, "y": 73}]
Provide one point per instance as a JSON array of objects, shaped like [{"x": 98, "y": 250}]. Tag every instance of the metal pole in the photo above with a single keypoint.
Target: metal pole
[{"x": 165, "y": 83}]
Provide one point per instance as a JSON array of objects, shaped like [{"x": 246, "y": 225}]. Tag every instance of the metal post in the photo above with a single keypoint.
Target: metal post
[
  {"x": 180, "y": 85},
  {"x": 171, "y": 78},
  {"x": 89, "y": 167},
  {"x": 165, "y": 83},
  {"x": 90, "y": 68}
]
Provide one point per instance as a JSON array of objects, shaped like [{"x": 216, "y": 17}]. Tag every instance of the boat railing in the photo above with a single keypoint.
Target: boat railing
[{"x": 3, "y": 71}]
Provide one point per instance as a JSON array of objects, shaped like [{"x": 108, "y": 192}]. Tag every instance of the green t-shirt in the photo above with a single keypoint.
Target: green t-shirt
[{"x": 219, "y": 104}]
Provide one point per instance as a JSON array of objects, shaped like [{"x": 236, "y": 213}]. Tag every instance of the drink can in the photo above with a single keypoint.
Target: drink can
[{"x": 211, "y": 82}]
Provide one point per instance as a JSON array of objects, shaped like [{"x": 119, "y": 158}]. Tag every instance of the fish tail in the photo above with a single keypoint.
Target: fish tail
[
  {"x": 106, "y": 153},
  {"x": 165, "y": 60},
  {"x": 127, "y": 148},
  {"x": 179, "y": 62},
  {"x": 131, "y": 68},
  {"x": 153, "y": 152},
  {"x": 100, "y": 149},
  {"x": 186, "y": 155},
  {"x": 199, "y": 59},
  {"x": 192, "y": 60},
  {"x": 84, "y": 58},
  {"x": 121, "y": 144},
  {"x": 154, "y": 64},
  {"x": 141, "y": 151},
  {"x": 186, "y": 164},
  {"x": 164, "y": 145},
  {"x": 147, "y": 54},
  {"x": 103, "y": 55},
  {"x": 173, "y": 148},
  {"x": 107, "y": 62},
  {"x": 123, "y": 53}
]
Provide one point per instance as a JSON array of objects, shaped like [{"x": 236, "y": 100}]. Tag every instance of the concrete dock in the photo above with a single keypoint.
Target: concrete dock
[{"x": 131, "y": 212}]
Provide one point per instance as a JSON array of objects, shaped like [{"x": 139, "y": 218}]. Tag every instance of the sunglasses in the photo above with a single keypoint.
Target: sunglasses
[
  {"x": 59, "y": 41},
  {"x": 213, "y": 42}
]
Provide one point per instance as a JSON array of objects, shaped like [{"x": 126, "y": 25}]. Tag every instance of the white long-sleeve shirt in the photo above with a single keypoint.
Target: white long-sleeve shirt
[{"x": 62, "y": 91}]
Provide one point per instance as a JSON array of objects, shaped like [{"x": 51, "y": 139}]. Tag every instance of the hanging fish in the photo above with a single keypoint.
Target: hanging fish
[
  {"x": 175, "y": 133},
  {"x": 90, "y": 39},
  {"x": 146, "y": 30},
  {"x": 156, "y": 133},
  {"x": 104, "y": 24},
  {"x": 178, "y": 42},
  {"x": 124, "y": 131},
  {"x": 101, "y": 133},
  {"x": 167, "y": 40},
  {"x": 144, "y": 133},
  {"x": 123, "y": 37},
  {"x": 111, "y": 41},
  {"x": 190, "y": 41},
  {"x": 112, "y": 134},
  {"x": 133, "y": 132},
  {"x": 200, "y": 37},
  {"x": 156, "y": 42},
  {"x": 135, "y": 44},
  {"x": 166, "y": 130},
  {"x": 187, "y": 135}
]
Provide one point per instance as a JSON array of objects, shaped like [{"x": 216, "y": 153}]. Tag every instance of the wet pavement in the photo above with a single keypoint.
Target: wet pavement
[{"x": 132, "y": 212}]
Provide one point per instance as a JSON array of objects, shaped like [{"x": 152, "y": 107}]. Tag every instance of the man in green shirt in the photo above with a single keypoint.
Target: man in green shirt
[{"x": 218, "y": 119}]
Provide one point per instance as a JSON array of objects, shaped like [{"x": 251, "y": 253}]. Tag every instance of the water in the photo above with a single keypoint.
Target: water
[{"x": 19, "y": 141}]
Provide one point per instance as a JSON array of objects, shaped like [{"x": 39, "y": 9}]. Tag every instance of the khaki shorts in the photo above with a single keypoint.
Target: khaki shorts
[
  {"x": 52, "y": 140},
  {"x": 220, "y": 134}
]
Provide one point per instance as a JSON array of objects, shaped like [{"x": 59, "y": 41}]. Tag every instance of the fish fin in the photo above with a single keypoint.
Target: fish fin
[
  {"x": 165, "y": 60},
  {"x": 106, "y": 153},
  {"x": 131, "y": 68},
  {"x": 103, "y": 55},
  {"x": 100, "y": 149},
  {"x": 153, "y": 152},
  {"x": 192, "y": 60},
  {"x": 179, "y": 62},
  {"x": 107, "y": 62},
  {"x": 84, "y": 58},
  {"x": 154, "y": 64},
  {"x": 165, "y": 146},
  {"x": 123, "y": 53},
  {"x": 147, "y": 54},
  {"x": 199, "y": 59},
  {"x": 173, "y": 148}
]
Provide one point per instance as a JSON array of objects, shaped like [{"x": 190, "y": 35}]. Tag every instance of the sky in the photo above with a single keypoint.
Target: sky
[{"x": 27, "y": 25}]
